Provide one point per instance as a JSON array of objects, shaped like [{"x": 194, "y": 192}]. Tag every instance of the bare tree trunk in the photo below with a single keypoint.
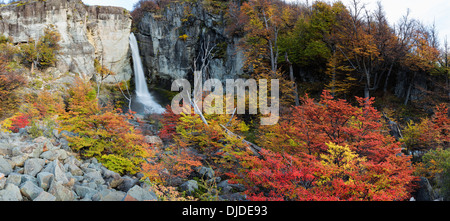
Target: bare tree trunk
[
  {"x": 272, "y": 45},
  {"x": 408, "y": 93},
  {"x": 293, "y": 83},
  {"x": 129, "y": 97},
  {"x": 386, "y": 82}
]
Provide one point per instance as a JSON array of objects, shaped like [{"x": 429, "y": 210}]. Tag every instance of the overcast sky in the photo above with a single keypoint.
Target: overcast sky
[{"x": 425, "y": 11}]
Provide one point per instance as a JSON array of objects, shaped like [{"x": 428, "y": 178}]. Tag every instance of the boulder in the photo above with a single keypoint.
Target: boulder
[
  {"x": 30, "y": 190},
  {"x": 61, "y": 192},
  {"x": 50, "y": 155},
  {"x": 14, "y": 178},
  {"x": 33, "y": 150},
  {"x": 425, "y": 192},
  {"x": 5, "y": 167},
  {"x": 205, "y": 172},
  {"x": 19, "y": 160},
  {"x": 189, "y": 187},
  {"x": 74, "y": 170},
  {"x": 108, "y": 195},
  {"x": 44, "y": 180},
  {"x": 127, "y": 183},
  {"x": 26, "y": 177},
  {"x": 44, "y": 196},
  {"x": 33, "y": 166},
  {"x": 155, "y": 140},
  {"x": 95, "y": 177},
  {"x": 84, "y": 191},
  {"x": 5, "y": 149},
  {"x": 11, "y": 193},
  {"x": 141, "y": 194},
  {"x": 57, "y": 169}
]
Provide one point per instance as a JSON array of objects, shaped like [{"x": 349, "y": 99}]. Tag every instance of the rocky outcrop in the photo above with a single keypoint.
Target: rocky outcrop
[
  {"x": 44, "y": 169},
  {"x": 87, "y": 33},
  {"x": 171, "y": 40}
]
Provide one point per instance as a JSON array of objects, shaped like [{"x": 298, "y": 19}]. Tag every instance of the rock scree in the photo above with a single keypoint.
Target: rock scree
[{"x": 30, "y": 172}]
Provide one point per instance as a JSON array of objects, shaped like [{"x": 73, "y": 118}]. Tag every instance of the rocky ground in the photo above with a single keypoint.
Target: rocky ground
[{"x": 45, "y": 169}]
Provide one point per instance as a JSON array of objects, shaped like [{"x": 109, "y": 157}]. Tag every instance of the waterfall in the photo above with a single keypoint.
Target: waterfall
[{"x": 143, "y": 96}]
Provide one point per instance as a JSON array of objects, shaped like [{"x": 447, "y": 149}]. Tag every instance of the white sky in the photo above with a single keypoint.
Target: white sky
[{"x": 426, "y": 11}]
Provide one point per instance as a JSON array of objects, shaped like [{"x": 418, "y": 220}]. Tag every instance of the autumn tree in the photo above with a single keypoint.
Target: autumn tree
[
  {"x": 103, "y": 133},
  {"x": 422, "y": 56},
  {"x": 264, "y": 22},
  {"x": 10, "y": 83},
  {"x": 328, "y": 150},
  {"x": 42, "y": 52}
]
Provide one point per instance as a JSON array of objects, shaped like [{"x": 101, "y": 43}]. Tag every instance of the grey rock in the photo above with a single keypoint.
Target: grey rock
[
  {"x": 33, "y": 166},
  {"x": 50, "y": 155},
  {"x": 62, "y": 154},
  {"x": 19, "y": 160},
  {"x": 14, "y": 178},
  {"x": 5, "y": 167},
  {"x": 33, "y": 150},
  {"x": 108, "y": 173},
  {"x": 426, "y": 192},
  {"x": 57, "y": 169},
  {"x": 74, "y": 170},
  {"x": 127, "y": 183},
  {"x": 205, "y": 172},
  {"x": 44, "y": 180},
  {"x": 84, "y": 191},
  {"x": 155, "y": 140},
  {"x": 168, "y": 58},
  {"x": 56, "y": 134},
  {"x": 72, "y": 160},
  {"x": 26, "y": 177},
  {"x": 23, "y": 131},
  {"x": 61, "y": 192},
  {"x": 46, "y": 143},
  {"x": 11, "y": 193},
  {"x": 141, "y": 194},
  {"x": 30, "y": 190},
  {"x": 108, "y": 195},
  {"x": 44, "y": 196},
  {"x": 5, "y": 149},
  {"x": 114, "y": 183},
  {"x": 189, "y": 187},
  {"x": 95, "y": 177}
]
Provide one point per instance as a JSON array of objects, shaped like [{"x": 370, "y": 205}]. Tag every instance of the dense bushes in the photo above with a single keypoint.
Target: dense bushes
[
  {"x": 42, "y": 52},
  {"x": 103, "y": 133},
  {"x": 328, "y": 150},
  {"x": 323, "y": 150}
]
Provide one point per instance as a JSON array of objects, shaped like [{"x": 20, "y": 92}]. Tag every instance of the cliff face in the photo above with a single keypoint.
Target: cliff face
[
  {"x": 87, "y": 33},
  {"x": 171, "y": 40}
]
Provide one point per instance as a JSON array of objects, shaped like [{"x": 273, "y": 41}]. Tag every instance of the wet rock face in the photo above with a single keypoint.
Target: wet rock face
[
  {"x": 87, "y": 33},
  {"x": 172, "y": 40}
]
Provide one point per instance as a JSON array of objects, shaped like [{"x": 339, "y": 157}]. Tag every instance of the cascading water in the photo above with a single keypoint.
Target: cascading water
[{"x": 143, "y": 96}]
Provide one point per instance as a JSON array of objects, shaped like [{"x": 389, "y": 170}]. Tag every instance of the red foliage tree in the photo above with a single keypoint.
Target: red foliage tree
[
  {"x": 18, "y": 122},
  {"x": 441, "y": 123},
  {"x": 328, "y": 150},
  {"x": 169, "y": 122}
]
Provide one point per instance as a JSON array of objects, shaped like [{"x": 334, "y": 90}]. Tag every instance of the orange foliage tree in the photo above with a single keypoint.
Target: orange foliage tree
[
  {"x": 103, "y": 133},
  {"x": 328, "y": 150}
]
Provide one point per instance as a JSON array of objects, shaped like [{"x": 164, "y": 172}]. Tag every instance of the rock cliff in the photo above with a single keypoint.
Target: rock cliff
[
  {"x": 171, "y": 40},
  {"x": 87, "y": 33}
]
